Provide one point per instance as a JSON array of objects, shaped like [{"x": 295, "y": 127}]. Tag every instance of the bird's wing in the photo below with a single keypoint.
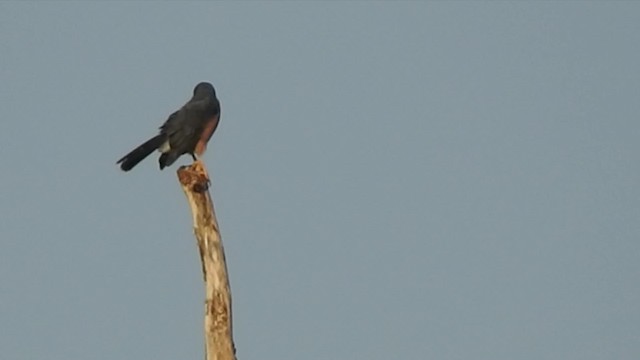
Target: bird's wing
[{"x": 183, "y": 126}]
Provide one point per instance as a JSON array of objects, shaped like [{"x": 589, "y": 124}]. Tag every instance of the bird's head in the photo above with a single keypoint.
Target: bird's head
[{"x": 204, "y": 89}]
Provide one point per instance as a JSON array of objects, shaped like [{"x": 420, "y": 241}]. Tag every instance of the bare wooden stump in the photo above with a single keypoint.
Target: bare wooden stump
[{"x": 217, "y": 306}]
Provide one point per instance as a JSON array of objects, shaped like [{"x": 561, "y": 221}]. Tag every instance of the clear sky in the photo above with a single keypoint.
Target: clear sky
[{"x": 413, "y": 180}]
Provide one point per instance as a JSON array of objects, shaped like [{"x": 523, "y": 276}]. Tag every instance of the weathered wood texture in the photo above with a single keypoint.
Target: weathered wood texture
[{"x": 217, "y": 318}]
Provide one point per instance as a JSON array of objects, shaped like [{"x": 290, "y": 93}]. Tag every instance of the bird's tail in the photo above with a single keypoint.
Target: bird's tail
[
  {"x": 138, "y": 154},
  {"x": 167, "y": 159}
]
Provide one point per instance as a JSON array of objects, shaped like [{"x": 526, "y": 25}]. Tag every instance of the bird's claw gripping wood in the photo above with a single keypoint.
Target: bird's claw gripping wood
[
  {"x": 199, "y": 166},
  {"x": 195, "y": 176}
]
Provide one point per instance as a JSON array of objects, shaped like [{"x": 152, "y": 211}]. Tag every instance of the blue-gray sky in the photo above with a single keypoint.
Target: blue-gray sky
[{"x": 415, "y": 180}]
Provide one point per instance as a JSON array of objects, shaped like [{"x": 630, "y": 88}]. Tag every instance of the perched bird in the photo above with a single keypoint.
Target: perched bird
[{"x": 186, "y": 131}]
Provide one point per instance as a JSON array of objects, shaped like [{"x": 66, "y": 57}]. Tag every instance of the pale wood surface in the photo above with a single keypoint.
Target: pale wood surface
[{"x": 217, "y": 318}]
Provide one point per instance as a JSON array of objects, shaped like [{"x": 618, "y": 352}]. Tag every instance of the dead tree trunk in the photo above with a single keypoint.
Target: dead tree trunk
[{"x": 217, "y": 305}]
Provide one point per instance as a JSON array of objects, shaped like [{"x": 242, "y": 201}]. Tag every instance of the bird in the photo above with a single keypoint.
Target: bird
[{"x": 186, "y": 131}]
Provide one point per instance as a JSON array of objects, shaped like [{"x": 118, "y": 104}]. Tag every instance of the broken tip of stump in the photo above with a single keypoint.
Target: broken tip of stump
[{"x": 194, "y": 176}]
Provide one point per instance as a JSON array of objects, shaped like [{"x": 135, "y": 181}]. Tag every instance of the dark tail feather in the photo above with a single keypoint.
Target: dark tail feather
[
  {"x": 138, "y": 154},
  {"x": 167, "y": 159}
]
